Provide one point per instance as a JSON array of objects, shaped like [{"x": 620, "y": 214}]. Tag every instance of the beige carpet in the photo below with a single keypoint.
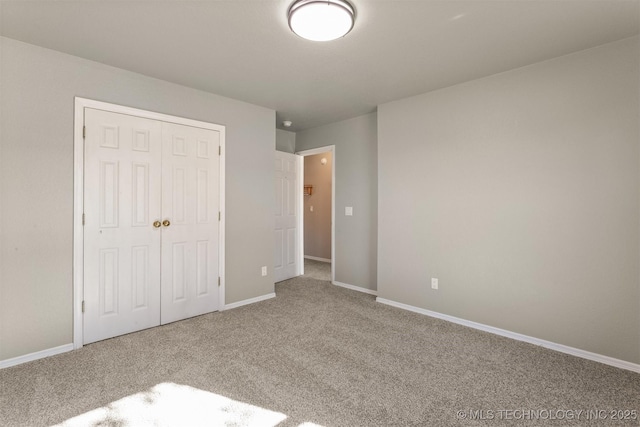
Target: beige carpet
[
  {"x": 317, "y": 354},
  {"x": 317, "y": 269}
]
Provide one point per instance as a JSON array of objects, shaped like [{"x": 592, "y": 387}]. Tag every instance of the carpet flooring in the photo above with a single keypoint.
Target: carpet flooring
[
  {"x": 317, "y": 354},
  {"x": 317, "y": 269}
]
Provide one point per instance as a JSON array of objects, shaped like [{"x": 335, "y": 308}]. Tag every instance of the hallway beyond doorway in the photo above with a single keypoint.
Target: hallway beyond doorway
[{"x": 317, "y": 269}]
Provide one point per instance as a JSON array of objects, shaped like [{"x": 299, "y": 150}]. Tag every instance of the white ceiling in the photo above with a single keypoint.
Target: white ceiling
[{"x": 243, "y": 49}]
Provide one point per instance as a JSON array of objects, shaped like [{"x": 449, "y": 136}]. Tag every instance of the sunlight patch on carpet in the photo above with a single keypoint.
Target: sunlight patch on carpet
[{"x": 169, "y": 404}]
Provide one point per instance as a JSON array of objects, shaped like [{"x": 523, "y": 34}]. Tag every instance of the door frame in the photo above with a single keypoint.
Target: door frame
[
  {"x": 304, "y": 153},
  {"x": 78, "y": 198}
]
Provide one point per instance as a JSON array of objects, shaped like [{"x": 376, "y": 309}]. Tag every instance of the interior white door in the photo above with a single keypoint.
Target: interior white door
[
  {"x": 190, "y": 208},
  {"x": 287, "y": 259},
  {"x": 121, "y": 245}
]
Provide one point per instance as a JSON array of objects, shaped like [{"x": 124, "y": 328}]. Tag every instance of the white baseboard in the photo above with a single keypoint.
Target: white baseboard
[
  {"x": 249, "y": 301},
  {"x": 35, "y": 356},
  {"x": 623, "y": 364},
  {"x": 355, "y": 288},
  {"x": 68, "y": 347},
  {"x": 315, "y": 258}
]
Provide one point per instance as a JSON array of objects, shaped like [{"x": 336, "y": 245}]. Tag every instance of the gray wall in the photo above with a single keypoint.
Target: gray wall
[
  {"x": 356, "y": 182},
  {"x": 520, "y": 192},
  {"x": 285, "y": 141},
  {"x": 36, "y": 184},
  {"x": 317, "y": 223}
]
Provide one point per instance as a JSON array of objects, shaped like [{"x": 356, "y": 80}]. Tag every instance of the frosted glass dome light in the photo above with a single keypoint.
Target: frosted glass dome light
[{"x": 321, "y": 20}]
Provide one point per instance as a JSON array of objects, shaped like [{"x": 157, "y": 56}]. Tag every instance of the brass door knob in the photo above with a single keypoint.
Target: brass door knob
[
  {"x": 156, "y": 224},
  {"x": 166, "y": 223}
]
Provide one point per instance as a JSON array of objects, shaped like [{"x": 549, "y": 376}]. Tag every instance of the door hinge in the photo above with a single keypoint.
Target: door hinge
[
  {"x": 84, "y": 132},
  {"x": 83, "y": 306},
  {"x": 82, "y": 219},
  {"x": 219, "y": 216},
  {"x": 218, "y": 281},
  {"x": 219, "y": 150}
]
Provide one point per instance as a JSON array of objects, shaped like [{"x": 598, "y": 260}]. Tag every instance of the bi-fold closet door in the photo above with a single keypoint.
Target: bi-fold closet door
[{"x": 151, "y": 233}]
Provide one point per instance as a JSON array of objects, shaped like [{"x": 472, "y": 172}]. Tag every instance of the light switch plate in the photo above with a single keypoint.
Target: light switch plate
[{"x": 348, "y": 211}]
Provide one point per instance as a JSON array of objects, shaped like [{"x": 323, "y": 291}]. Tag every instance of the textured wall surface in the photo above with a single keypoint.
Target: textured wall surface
[
  {"x": 38, "y": 87},
  {"x": 520, "y": 192},
  {"x": 356, "y": 174}
]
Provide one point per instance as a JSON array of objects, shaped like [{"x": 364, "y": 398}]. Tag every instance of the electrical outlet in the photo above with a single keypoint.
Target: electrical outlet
[
  {"x": 264, "y": 270},
  {"x": 311, "y": 208},
  {"x": 434, "y": 283}
]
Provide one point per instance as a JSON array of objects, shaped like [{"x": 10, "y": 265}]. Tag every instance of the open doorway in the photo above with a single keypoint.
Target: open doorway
[{"x": 318, "y": 213}]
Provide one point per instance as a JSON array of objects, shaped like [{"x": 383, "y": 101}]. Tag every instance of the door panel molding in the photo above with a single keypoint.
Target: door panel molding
[
  {"x": 188, "y": 190},
  {"x": 120, "y": 199},
  {"x": 141, "y": 144},
  {"x": 288, "y": 193}
]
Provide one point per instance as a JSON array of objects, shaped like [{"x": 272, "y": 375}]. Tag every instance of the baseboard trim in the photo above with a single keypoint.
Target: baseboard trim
[
  {"x": 315, "y": 258},
  {"x": 35, "y": 356},
  {"x": 356, "y": 288},
  {"x": 622, "y": 364},
  {"x": 248, "y": 301},
  {"x": 68, "y": 347}
]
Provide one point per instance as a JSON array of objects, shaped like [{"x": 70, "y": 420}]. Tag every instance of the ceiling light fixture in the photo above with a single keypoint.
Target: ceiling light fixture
[{"x": 321, "y": 20}]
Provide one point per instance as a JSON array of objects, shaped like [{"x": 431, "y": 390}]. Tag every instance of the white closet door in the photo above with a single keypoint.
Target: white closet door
[
  {"x": 122, "y": 247},
  {"x": 190, "y": 194},
  {"x": 287, "y": 258}
]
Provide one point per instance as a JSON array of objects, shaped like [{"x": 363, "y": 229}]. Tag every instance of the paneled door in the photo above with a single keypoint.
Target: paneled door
[
  {"x": 122, "y": 247},
  {"x": 190, "y": 170},
  {"x": 151, "y": 233},
  {"x": 287, "y": 256}
]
